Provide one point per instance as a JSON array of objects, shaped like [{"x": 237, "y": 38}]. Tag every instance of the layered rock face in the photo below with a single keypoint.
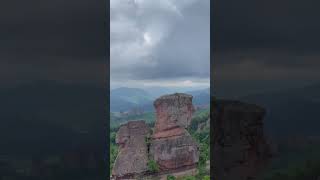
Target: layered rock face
[
  {"x": 172, "y": 146},
  {"x": 173, "y": 111},
  {"x": 133, "y": 152},
  {"x": 239, "y": 147}
]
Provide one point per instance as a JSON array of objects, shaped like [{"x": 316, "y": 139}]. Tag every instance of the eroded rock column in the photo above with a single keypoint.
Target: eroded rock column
[
  {"x": 239, "y": 149},
  {"x": 133, "y": 153},
  {"x": 172, "y": 146}
]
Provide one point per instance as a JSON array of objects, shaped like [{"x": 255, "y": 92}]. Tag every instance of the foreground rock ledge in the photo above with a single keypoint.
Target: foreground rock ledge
[{"x": 239, "y": 149}]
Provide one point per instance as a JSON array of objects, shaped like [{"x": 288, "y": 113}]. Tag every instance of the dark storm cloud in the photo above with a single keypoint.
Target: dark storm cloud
[
  {"x": 186, "y": 52},
  {"x": 41, "y": 38},
  {"x": 270, "y": 43},
  {"x": 163, "y": 41},
  {"x": 289, "y": 24}
]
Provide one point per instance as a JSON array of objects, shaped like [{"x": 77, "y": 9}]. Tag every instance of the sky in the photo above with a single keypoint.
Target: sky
[
  {"x": 267, "y": 45},
  {"x": 56, "y": 40},
  {"x": 160, "y": 43},
  {"x": 257, "y": 45}
]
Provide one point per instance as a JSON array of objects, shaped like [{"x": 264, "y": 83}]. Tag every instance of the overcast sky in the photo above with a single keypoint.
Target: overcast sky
[
  {"x": 52, "y": 40},
  {"x": 265, "y": 45},
  {"x": 160, "y": 43}
]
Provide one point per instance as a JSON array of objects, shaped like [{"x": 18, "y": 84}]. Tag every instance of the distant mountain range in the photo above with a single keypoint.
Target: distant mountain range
[
  {"x": 290, "y": 112},
  {"x": 47, "y": 116},
  {"x": 200, "y": 97},
  {"x": 124, "y": 99}
]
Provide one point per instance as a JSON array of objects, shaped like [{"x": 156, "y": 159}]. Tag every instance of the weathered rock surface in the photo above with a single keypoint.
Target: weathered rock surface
[
  {"x": 175, "y": 152},
  {"x": 173, "y": 111},
  {"x": 239, "y": 147},
  {"x": 172, "y": 146},
  {"x": 133, "y": 153}
]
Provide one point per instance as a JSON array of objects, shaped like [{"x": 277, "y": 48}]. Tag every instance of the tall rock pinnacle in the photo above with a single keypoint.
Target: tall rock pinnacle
[
  {"x": 239, "y": 149},
  {"x": 172, "y": 146}
]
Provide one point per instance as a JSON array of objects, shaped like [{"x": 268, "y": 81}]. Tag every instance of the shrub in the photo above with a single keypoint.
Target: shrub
[
  {"x": 113, "y": 137},
  {"x": 170, "y": 177},
  {"x": 206, "y": 178},
  {"x": 189, "y": 178},
  {"x": 113, "y": 155},
  {"x": 153, "y": 166},
  {"x": 147, "y": 140}
]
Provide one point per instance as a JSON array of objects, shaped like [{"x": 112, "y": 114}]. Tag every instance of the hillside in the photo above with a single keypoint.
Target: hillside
[
  {"x": 149, "y": 117},
  {"x": 46, "y": 126},
  {"x": 292, "y": 123},
  {"x": 122, "y": 99},
  {"x": 125, "y": 99},
  {"x": 116, "y": 121},
  {"x": 290, "y": 112},
  {"x": 200, "y": 97},
  {"x": 47, "y": 108}
]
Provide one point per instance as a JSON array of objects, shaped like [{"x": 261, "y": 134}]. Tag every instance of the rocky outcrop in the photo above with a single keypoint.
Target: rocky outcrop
[
  {"x": 172, "y": 146},
  {"x": 239, "y": 147},
  {"x": 173, "y": 111},
  {"x": 133, "y": 152}
]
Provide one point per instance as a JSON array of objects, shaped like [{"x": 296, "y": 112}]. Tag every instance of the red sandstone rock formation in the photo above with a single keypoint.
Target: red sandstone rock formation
[
  {"x": 239, "y": 147},
  {"x": 172, "y": 146},
  {"x": 133, "y": 153},
  {"x": 173, "y": 111}
]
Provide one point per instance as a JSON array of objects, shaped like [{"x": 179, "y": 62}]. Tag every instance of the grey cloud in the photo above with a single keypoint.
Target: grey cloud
[
  {"x": 259, "y": 45},
  {"x": 289, "y": 24},
  {"x": 179, "y": 41},
  {"x": 270, "y": 57},
  {"x": 38, "y": 37},
  {"x": 246, "y": 71}
]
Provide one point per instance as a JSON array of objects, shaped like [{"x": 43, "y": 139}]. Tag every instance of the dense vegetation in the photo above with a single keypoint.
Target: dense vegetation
[
  {"x": 113, "y": 150},
  {"x": 301, "y": 164},
  {"x": 308, "y": 170},
  {"x": 202, "y": 136}
]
